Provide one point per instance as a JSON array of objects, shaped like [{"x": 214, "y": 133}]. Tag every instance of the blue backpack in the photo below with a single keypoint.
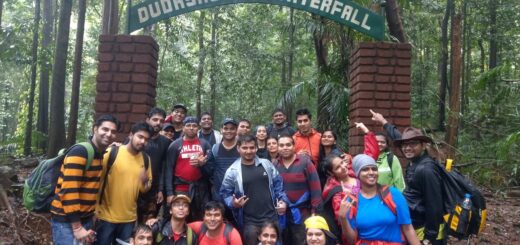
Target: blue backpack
[{"x": 38, "y": 190}]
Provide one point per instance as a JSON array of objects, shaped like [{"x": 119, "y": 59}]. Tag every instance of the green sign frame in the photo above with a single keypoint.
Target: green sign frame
[{"x": 344, "y": 12}]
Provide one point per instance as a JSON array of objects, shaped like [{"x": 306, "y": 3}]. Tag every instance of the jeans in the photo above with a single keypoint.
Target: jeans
[
  {"x": 108, "y": 232},
  {"x": 62, "y": 233}
]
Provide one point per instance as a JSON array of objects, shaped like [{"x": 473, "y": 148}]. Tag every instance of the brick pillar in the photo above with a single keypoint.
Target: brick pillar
[
  {"x": 127, "y": 78},
  {"x": 379, "y": 80}
]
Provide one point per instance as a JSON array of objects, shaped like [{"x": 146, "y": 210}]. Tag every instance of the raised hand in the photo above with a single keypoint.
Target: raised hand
[
  {"x": 239, "y": 202},
  {"x": 378, "y": 117}
]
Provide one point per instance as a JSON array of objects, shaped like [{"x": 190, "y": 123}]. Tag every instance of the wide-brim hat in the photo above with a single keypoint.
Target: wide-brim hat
[{"x": 411, "y": 133}]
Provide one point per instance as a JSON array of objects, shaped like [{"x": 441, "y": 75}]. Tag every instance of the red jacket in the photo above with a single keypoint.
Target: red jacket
[{"x": 309, "y": 143}]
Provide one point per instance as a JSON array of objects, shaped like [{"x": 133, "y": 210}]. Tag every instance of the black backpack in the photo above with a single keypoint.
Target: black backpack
[
  {"x": 327, "y": 212},
  {"x": 459, "y": 223}
]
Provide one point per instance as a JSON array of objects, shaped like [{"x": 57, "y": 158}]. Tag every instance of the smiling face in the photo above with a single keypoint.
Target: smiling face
[
  {"x": 206, "y": 122},
  {"x": 261, "y": 133},
  {"x": 412, "y": 148},
  {"x": 213, "y": 219},
  {"x": 229, "y": 131},
  {"x": 268, "y": 236},
  {"x": 368, "y": 175},
  {"x": 315, "y": 237},
  {"x": 339, "y": 168},
  {"x": 286, "y": 147},
  {"x": 381, "y": 143},
  {"x": 272, "y": 145},
  {"x": 279, "y": 118},
  {"x": 104, "y": 134},
  {"x": 327, "y": 138},
  {"x": 178, "y": 115}
]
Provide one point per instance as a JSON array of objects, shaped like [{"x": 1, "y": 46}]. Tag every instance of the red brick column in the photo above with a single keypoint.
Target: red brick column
[
  {"x": 379, "y": 80},
  {"x": 127, "y": 78}
]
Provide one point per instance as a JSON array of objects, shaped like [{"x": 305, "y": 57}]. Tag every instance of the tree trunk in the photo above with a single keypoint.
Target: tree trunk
[
  {"x": 34, "y": 53},
  {"x": 214, "y": 69},
  {"x": 289, "y": 107},
  {"x": 482, "y": 55},
  {"x": 443, "y": 69},
  {"x": 76, "y": 75},
  {"x": 110, "y": 18},
  {"x": 493, "y": 46},
  {"x": 202, "y": 58},
  {"x": 395, "y": 26},
  {"x": 42, "y": 124},
  {"x": 1, "y": 11},
  {"x": 57, "y": 115},
  {"x": 321, "y": 48},
  {"x": 453, "y": 120},
  {"x": 465, "y": 60}
]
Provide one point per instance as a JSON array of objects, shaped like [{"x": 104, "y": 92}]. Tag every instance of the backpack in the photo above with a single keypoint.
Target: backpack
[
  {"x": 227, "y": 230},
  {"x": 111, "y": 158},
  {"x": 326, "y": 211},
  {"x": 190, "y": 236},
  {"x": 385, "y": 195},
  {"x": 460, "y": 223},
  {"x": 39, "y": 187}
]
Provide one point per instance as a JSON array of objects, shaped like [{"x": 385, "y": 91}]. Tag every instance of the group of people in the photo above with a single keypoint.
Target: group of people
[{"x": 177, "y": 180}]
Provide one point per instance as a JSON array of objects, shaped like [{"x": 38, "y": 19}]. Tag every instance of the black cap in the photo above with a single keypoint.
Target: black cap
[
  {"x": 190, "y": 119},
  {"x": 229, "y": 120},
  {"x": 167, "y": 126},
  {"x": 177, "y": 106}
]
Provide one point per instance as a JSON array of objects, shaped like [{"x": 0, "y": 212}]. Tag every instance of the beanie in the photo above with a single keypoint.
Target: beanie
[{"x": 360, "y": 161}]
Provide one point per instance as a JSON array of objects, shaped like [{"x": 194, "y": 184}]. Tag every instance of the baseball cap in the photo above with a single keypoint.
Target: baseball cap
[
  {"x": 167, "y": 126},
  {"x": 229, "y": 120},
  {"x": 190, "y": 119},
  {"x": 182, "y": 106}
]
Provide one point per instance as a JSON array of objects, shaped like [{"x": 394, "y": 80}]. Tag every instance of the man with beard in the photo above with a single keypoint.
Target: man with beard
[
  {"x": 148, "y": 204},
  {"x": 174, "y": 231},
  {"x": 206, "y": 130},
  {"x": 72, "y": 209},
  {"x": 279, "y": 126},
  {"x": 213, "y": 230},
  {"x": 186, "y": 156},
  {"x": 176, "y": 118},
  {"x": 123, "y": 180}
]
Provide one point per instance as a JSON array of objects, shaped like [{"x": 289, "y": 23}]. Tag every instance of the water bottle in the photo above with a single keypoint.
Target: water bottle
[
  {"x": 464, "y": 216},
  {"x": 466, "y": 204}
]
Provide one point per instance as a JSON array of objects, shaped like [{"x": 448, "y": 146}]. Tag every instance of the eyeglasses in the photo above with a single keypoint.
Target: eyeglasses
[
  {"x": 180, "y": 205},
  {"x": 411, "y": 144},
  {"x": 179, "y": 112}
]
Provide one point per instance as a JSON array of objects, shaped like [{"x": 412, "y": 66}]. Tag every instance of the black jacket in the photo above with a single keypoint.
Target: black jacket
[
  {"x": 165, "y": 237},
  {"x": 423, "y": 191}
]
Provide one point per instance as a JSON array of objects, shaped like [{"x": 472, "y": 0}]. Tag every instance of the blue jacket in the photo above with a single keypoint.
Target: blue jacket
[{"x": 232, "y": 184}]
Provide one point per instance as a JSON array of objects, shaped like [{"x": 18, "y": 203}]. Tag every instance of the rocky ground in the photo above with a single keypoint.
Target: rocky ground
[{"x": 18, "y": 226}]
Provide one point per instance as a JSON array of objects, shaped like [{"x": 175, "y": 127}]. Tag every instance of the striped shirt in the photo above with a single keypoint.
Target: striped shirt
[
  {"x": 301, "y": 177},
  {"x": 76, "y": 190}
]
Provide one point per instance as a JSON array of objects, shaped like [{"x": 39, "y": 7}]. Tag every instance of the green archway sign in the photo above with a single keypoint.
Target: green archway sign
[{"x": 342, "y": 11}]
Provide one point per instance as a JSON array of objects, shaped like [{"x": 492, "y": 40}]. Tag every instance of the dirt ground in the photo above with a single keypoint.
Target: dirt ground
[{"x": 22, "y": 227}]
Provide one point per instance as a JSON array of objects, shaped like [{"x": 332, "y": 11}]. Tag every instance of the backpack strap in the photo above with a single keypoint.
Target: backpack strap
[
  {"x": 90, "y": 153},
  {"x": 189, "y": 236},
  {"x": 215, "y": 149},
  {"x": 111, "y": 158},
  {"x": 332, "y": 192},
  {"x": 387, "y": 199},
  {"x": 146, "y": 160},
  {"x": 390, "y": 159},
  {"x": 227, "y": 230}
]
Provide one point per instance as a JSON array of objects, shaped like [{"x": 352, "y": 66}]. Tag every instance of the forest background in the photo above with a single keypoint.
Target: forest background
[{"x": 244, "y": 60}]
